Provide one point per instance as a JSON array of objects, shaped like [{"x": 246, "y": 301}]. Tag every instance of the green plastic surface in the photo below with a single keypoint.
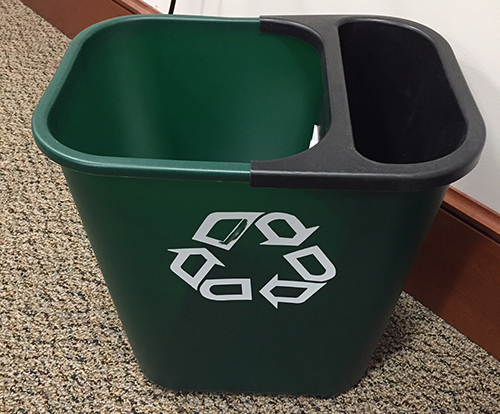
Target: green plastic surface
[
  {"x": 184, "y": 341},
  {"x": 145, "y": 94},
  {"x": 155, "y": 120}
]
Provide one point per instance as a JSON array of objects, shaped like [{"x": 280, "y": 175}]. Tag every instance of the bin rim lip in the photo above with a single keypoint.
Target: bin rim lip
[
  {"x": 116, "y": 165},
  {"x": 431, "y": 174},
  {"x": 351, "y": 170}
]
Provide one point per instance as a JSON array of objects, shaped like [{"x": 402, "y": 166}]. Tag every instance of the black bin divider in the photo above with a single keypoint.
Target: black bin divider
[
  {"x": 398, "y": 115},
  {"x": 401, "y": 104}
]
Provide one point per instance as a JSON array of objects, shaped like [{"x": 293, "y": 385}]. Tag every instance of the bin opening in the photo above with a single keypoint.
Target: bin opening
[
  {"x": 213, "y": 98},
  {"x": 402, "y": 107},
  {"x": 189, "y": 89}
]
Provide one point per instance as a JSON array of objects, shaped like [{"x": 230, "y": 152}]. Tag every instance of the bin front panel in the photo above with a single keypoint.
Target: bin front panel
[{"x": 230, "y": 288}]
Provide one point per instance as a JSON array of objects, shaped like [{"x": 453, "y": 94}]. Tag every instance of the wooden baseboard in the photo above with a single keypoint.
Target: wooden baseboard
[
  {"x": 477, "y": 215},
  {"x": 457, "y": 274},
  {"x": 72, "y": 16},
  {"x": 137, "y": 7}
]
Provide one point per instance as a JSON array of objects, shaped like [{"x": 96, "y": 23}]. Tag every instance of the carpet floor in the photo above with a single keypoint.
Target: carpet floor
[{"x": 62, "y": 346}]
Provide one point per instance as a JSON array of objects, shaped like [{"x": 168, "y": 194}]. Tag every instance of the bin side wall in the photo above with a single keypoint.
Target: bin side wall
[{"x": 185, "y": 341}]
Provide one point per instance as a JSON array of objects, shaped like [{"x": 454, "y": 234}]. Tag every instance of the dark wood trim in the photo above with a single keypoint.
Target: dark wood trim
[
  {"x": 137, "y": 7},
  {"x": 457, "y": 274},
  {"x": 474, "y": 213},
  {"x": 72, "y": 16}
]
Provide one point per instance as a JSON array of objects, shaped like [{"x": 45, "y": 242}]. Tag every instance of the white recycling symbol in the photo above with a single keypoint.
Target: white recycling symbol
[{"x": 311, "y": 282}]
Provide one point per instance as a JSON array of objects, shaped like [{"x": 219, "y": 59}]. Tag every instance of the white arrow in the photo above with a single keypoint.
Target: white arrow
[
  {"x": 310, "y": 289},
  {"x": 293, "y": 259},
  {"x": 245, "y": 221},
  {"x": 246, "y": 289},
  {"x": 183, "y": 255},
  {"x": 273, "y": 239}
]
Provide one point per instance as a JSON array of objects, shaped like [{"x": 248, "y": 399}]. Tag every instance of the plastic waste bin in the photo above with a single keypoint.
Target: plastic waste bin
[{"x": 240, "y": 256}]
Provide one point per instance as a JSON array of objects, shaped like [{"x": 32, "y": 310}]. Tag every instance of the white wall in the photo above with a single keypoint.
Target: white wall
[{"x": 471, "y": 27}]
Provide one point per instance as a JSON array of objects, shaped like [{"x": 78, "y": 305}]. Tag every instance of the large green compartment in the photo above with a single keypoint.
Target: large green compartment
[{"x": 173, "y": 134}]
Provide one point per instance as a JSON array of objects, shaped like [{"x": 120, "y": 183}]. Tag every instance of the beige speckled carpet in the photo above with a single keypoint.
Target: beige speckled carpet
[{"x": 62, "y": 347}]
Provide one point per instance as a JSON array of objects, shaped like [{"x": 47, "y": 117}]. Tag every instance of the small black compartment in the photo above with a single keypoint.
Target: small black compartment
[{"x": 401, "y": 105}]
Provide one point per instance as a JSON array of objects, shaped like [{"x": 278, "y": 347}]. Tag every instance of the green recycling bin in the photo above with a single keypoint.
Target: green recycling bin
[{"x": 243, "y": 252}]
